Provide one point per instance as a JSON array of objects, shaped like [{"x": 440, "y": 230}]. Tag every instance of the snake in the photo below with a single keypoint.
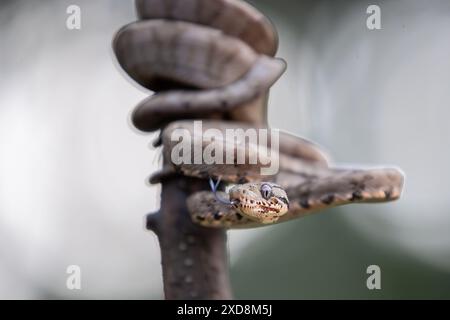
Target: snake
[{"x": 215, "y": 60}]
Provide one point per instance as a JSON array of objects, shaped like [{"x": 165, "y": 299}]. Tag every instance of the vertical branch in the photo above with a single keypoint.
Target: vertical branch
[{"x": 194, "y": 259}]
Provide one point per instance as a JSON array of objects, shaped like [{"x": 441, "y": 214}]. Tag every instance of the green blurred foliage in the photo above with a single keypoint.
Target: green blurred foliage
[{"x": 323, "y": 257}]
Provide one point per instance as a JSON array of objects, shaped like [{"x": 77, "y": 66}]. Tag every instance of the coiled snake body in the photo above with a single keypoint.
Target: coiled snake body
[{"x": 214, "y": 60}]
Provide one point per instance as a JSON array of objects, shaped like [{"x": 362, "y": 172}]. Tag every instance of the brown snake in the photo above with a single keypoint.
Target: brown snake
[{"x": 216, "y": 57}]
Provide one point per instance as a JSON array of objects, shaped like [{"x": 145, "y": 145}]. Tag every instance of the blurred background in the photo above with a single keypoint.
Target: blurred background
[{"x": 73, "y": 171}]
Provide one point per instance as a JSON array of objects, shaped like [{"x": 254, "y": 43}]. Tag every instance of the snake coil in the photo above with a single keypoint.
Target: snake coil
[{"x": 214, "y": 60}]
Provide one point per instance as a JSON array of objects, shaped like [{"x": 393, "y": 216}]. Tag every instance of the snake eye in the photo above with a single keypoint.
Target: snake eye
[{"x": 266, "y": 191}]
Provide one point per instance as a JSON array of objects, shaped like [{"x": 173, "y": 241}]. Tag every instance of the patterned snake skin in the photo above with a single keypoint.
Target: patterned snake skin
[{"x": 214, "y": 59}]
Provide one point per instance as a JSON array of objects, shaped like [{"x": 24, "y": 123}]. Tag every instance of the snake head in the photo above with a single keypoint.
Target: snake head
[{"x": 263, "y": 202}]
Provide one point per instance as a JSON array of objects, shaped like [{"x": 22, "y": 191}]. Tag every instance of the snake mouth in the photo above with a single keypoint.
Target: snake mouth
[
  {"x": 272, "y": 210},
  {"x": 237, "y": 204}
]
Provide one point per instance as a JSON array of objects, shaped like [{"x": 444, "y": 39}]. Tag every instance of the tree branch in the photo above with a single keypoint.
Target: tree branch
[{"x": 194, "y": 259}]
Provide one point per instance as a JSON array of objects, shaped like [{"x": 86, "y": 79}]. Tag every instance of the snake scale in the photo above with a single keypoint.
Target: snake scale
[{"x": 214, "y": 60}]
